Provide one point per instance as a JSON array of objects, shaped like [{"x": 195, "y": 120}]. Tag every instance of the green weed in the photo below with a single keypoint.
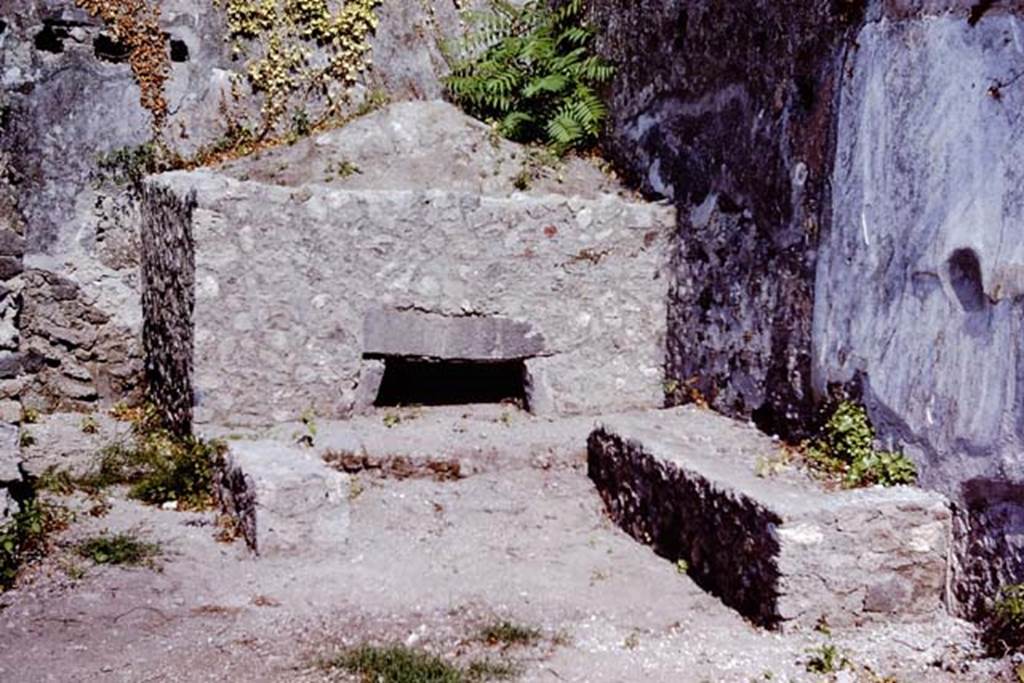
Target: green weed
[
  {"x": 398, "y": 664},
  {"x": 825, "y": 659},
  {"x": 508, "y": 633},
  {"x": 118, "y": 549},
  {"x": 1003, "y": 630},
  {"x": 845, "y": 449},
  {"x": 24, "y": 538}
]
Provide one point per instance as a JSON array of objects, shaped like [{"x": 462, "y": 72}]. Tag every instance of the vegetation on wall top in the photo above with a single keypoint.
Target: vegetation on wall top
[
  {"x": 297, "y": 50},
  {"x": 531, "y": 72},
  {"x": 136, "y": 25}
]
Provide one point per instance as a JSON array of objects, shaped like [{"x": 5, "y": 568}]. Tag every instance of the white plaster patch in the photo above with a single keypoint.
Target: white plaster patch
[{"x": 803, "y": 534}]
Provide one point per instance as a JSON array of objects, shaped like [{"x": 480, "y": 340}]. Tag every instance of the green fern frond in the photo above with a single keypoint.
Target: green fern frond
[{"x": 531, "y": 69}]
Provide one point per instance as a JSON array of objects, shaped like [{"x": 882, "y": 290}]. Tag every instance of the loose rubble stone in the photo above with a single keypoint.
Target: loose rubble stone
[{"x": 782, "y": 551}]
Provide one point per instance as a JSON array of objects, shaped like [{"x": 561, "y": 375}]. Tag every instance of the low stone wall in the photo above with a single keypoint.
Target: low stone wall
[
  {"x": 284, "y": 500},
  {"x": 779, "y": 550}
]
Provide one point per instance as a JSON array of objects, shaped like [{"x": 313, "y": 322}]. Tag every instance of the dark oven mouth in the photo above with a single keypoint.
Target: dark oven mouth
[{"x": 435, "y": 382}]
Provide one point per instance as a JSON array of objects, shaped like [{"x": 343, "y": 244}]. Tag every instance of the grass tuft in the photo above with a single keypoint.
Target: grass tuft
[
  {"x": 119, "y": 549},
  {"x": 399, "y": 664},
  {"x": 508, "y": 633}
]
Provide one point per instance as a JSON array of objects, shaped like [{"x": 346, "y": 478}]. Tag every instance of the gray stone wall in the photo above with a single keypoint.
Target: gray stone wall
[
  {"x": 927, "y": 213},
  {"x": 280, "y": 312},
  {"x": 728, "y": 109},
  {"x": 65, "y": 106},
  {"x": 848, "y": 181}
]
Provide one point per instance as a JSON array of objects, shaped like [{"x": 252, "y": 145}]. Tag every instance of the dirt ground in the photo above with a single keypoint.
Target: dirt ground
[{"x": 428, "y": 564}]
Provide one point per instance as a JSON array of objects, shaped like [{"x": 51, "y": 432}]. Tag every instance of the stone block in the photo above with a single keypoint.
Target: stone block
[
  {"x": 286, "y": 499},
  {"x": 781, "y": 550},
  {"x": 371, "y": 375},
  {"x": 10, "y": 452},
  {"x": 427, "y": 335},
  {"x": 8, "y": 505}
]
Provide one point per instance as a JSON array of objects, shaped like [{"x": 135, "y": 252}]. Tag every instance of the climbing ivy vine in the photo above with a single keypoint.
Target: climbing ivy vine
[{"x": 136, "y": 25}]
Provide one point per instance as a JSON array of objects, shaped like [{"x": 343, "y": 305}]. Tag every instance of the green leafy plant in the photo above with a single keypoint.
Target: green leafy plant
[
  {"x": 845, "y": 449},
  {"x": 296, "y": 50},
  {"x": 89, "y": 425},
  {"x": 121, "y": 549},
  {"x": 532, "y": 73},
  {"x": 24, "y": 538},
  {"x": 158, "y": 465},
  {"x": 508, "y": 633},
  {"x": 825, "y": 659},
  {"x": 1004, "y": 626}
]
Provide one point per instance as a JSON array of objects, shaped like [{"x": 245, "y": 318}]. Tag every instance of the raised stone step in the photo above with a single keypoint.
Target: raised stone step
[
  {"x": 285, "y": 499},
  {"x": 781, "y": 550}
]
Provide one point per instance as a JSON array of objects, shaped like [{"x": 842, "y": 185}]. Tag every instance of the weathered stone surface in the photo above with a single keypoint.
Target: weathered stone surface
[
  {"x": 919, "y": 281},
  {"x": 287, "y": 500},
  {"x": 728, "y": 108},
  {"x": 780, "y": 550},
  {"x": 70, "y": 442},
  {"x": 371, "y": 375},
  {"x": 427, "y": 335},
  {"x": 168, "y": 303},
  {"x": 65, "y": 105},
  {"x": 421, "y": 145},
  {"x": 8, "y": 505},
  {"x": 279, "y": 313},
  {"x": 73, "y": 352},
  {"x": 10, "y": 452}
]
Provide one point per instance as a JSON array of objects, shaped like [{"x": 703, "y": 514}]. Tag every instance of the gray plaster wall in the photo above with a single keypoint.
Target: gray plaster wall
[
  {"x": 285, "y": 277},
  {"x": 727, "y": 108},
  {"x": 920, "y": 280}
]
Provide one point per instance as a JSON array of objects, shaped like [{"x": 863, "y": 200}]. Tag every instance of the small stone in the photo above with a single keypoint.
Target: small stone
[
  {"x": 10, "y": 411},
  {"x": 170, "y": 505}
]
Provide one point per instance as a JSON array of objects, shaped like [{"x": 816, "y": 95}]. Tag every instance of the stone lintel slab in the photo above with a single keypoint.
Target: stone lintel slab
[
  {"x": 781, "y": 550},
  {"x": 417, "y": 334}
]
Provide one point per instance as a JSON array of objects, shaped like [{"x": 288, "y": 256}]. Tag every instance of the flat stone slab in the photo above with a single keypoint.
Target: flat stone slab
[
  {"x": 426, "y": 335},
  {"x": 781, "y": 550},
  {"x": 285, "y": 499}
]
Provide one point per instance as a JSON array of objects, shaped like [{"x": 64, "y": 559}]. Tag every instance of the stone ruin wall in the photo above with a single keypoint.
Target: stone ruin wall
[
  {"x": 288, "y": 280},
  {"x": 775, "y": 211},
  {"x": 70, "y": 303},
  {"x": 66, "y": 103},
  {"x": 881, "y": 147}
]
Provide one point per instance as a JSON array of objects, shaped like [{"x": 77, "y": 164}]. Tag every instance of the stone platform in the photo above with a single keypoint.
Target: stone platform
[{"x": 781, "y": 550}]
